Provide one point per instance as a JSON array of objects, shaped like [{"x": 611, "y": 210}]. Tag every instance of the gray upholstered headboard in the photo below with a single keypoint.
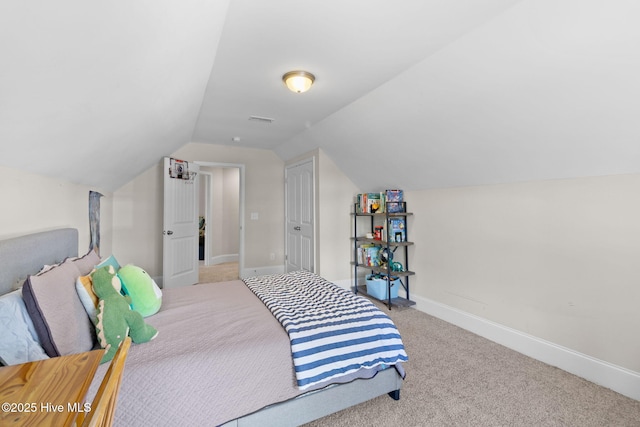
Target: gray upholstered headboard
[{"x": 24, "y": 255}]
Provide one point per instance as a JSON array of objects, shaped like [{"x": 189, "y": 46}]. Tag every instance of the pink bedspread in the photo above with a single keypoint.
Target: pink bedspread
[{"x": 220, "y": 354}]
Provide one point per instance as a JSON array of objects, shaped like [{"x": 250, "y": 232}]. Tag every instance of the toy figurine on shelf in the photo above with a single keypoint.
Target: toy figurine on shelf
[{"x": 396, "y": 266}]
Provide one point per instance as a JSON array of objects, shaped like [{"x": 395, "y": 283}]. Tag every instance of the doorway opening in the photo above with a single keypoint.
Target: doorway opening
[{"x": 221, "y": 211}]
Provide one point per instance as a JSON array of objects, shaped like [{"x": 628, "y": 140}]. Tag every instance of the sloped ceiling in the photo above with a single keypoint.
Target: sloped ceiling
[
  {"x": 97, "y": 92},
  {"x": 546, "y": 90},
  {"x": 414, "y": 93}
]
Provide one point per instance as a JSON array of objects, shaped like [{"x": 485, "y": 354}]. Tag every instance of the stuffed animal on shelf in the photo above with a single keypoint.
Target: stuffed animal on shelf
[
  {"x": 115, "y": 319},
  {"x": 146, "y": 296}
]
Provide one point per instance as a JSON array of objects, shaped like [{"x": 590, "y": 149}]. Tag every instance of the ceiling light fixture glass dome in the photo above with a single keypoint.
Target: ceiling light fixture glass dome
[{"x": 298, "y": 81}]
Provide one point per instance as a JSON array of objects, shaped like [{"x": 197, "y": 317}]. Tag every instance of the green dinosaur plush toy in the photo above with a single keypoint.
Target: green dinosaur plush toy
[
  {"x": 146, "y": 297},
  {"x": 116, "y": 320}
]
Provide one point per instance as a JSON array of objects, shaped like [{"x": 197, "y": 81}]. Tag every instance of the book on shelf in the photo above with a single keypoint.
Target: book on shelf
[
  {"x": 395, "y": 207},
  {"x": 370, "y": 202},
  {"x": 368, "y": 254},
  {"x": 394, "y": 199},
  {"x": 394, "y": 195},
  {"x": 387, "y": 201},
  {"x": 397, "y": 230}
]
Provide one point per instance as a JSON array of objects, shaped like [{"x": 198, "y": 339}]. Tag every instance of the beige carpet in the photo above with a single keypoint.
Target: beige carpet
[
  {"x": 218, "y": 273},
  {"x": 456, "y": 378}
]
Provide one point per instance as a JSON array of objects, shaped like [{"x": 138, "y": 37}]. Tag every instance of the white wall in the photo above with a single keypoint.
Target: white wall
[
  {"x": 217, "y": 211},
  {"x": 33, "y": 203},
  {"x": 224, "y": 224},
  {"x": 138, "y": 208},
  {"x": 548, "y": 268},
  {"x": 230, "y": 201},
  {"x": 137, "y": 221},
  {"x": 554, "y": 259},
  {"x": 264, "y": 195},
  {"x": 335, "y": 200}
]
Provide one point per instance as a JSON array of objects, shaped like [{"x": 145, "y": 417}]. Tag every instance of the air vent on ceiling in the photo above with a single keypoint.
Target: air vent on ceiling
[{"x": 261, "y": 119}]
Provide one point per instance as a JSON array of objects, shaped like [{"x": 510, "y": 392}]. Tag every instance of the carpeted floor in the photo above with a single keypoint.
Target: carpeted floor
[
  {"x": 456, "y": 378},
  {"x": 218, "y": 273}
]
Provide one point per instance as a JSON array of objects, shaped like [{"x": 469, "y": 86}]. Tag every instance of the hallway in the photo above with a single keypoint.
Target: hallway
[{"x": 218, "y": 273}]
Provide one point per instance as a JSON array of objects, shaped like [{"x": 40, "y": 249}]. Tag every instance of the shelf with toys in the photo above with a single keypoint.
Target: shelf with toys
[{"x": 375, "y": 250}]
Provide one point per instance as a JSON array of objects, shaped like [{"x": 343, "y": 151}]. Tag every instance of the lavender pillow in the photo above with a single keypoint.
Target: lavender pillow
[
  {"x": 60, "y": 320},
  {"x": 86, "y": 263}
]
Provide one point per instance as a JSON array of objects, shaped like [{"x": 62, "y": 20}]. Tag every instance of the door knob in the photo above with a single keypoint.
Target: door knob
[
  {"x": 168, "y": 232},
  {"x": 297, "y": 228}
]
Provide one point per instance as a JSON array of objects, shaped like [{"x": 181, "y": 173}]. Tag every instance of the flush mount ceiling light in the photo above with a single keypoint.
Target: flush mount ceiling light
[{"x": 298, "y": 81}]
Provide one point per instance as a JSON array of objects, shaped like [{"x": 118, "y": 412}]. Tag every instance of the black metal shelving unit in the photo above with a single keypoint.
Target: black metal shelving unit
[{"x": 403, "y": 276}]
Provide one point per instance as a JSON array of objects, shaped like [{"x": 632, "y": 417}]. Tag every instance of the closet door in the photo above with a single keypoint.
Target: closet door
[{"x": 300, "y": 225}]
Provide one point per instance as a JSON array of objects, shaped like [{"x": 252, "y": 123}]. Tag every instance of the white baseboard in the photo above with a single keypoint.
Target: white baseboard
[
  {"x": 621, "y": 380},
  {"x": 223, "y": 258},
  {"x": 259, "y": 271},
  {"x": 345, "y": 284}
]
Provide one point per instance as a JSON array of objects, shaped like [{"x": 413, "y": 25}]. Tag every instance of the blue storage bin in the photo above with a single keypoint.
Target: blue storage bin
[{"x": 377, "y": 287}]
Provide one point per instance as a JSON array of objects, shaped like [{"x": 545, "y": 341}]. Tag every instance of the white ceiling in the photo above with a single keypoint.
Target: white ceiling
[{"x": 412, "y": 94}]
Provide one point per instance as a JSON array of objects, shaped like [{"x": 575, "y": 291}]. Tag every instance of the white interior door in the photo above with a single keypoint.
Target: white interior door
[
  {"x": 300, "y": 241},
  {"x": 180, "y": 229}
]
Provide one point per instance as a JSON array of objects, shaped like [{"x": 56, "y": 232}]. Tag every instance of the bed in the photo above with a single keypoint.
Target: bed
[{"x": 221, "y": 356}]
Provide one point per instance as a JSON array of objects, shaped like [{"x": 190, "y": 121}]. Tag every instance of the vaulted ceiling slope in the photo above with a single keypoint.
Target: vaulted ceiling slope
[
  {"x": 97, "y": 92},
  {"x": 549, "y": 89},
  {"x": 411, "y": 93}
]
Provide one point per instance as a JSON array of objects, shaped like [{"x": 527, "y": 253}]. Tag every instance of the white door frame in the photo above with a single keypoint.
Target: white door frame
[
  {"x": 241, "y": 168},
  {"x": 314, "y": 208}
]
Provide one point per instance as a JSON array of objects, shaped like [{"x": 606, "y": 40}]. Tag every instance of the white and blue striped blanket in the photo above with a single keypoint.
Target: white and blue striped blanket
[{"x": 333, "y": 332}]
